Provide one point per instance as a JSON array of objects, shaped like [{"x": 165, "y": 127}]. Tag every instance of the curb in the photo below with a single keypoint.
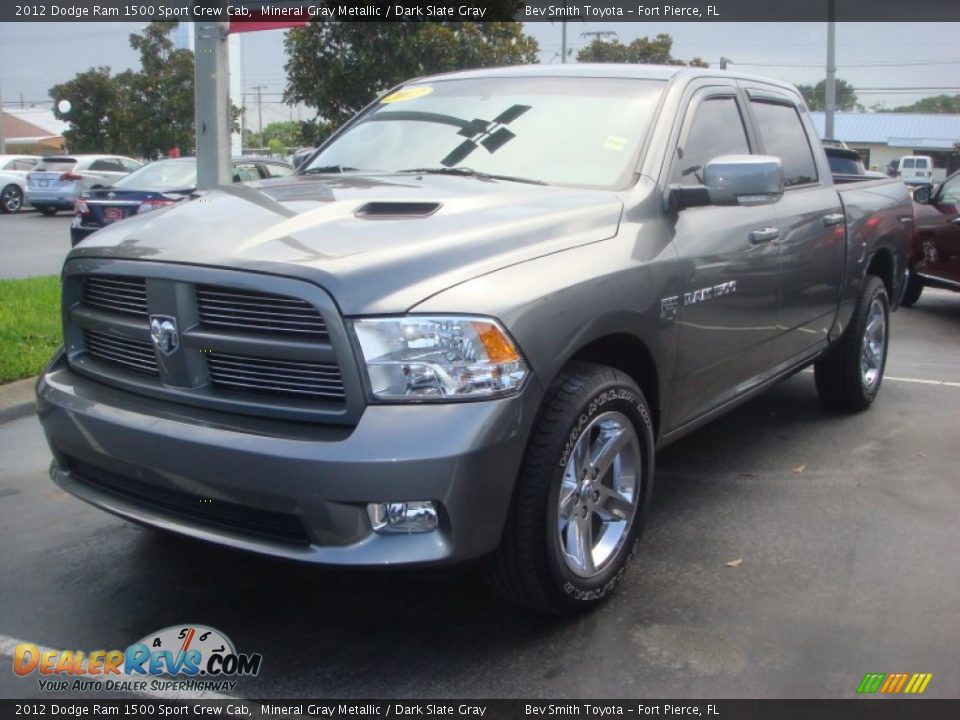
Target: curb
[{"x": 17, "y": 399}]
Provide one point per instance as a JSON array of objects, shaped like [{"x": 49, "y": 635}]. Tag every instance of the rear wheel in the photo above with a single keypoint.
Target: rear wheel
[
  {"x": 48, "y": 209},
  {"x": 11, "y": 199},
  {"x": 581, "y": 495},
  {"x": 849, "y": 377},
  {"x": 912, "y": 292}
]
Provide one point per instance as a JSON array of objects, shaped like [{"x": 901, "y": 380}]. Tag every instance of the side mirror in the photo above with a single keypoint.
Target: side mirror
[
  {"x": 923, "y": 194},
  {"x": 734, "y": 180}
]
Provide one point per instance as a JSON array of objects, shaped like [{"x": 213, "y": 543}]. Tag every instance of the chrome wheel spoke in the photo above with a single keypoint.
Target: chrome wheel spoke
[
  {"x": 612, "y": 506},
  {"x": 580, "y": 543},
  {"x": 611, "y": 444}
]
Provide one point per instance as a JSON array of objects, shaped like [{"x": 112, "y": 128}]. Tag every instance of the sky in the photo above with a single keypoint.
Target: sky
[{"x": 35, "y": 56}]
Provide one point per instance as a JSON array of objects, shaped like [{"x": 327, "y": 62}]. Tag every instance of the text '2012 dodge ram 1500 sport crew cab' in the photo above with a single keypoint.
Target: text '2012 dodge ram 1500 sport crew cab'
[{"x": 464, "y": 327}]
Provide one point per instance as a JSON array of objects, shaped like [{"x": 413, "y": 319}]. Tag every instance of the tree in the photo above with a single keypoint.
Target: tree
[
  {"x": 142, "y": 113},
  {"x": 816, "y": 96},
  {"x": 339, "y": 67},
  {"x": 287, "y": 132},
  {"x": 935, "y": 105},
  {"x": 642, "y": 50},
  {"x": 92, "y": 95}
]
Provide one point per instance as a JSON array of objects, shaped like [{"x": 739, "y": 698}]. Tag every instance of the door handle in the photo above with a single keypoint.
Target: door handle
[
  {"x": 906, "y": 220},
  {"x": 764, "y": 235},
  {"x": 832, "y": 219}
]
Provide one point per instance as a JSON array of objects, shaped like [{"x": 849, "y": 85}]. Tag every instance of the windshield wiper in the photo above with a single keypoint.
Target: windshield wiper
[
  {"x": 470, "y": 172},
  {"x": 328, "y": 170}
]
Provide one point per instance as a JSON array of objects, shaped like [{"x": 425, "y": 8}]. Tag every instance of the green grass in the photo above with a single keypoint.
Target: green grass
[{"x": 29, "y": 325}]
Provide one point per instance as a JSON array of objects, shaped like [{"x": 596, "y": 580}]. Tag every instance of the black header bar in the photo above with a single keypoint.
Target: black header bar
[{"x": 479, "y": 10}]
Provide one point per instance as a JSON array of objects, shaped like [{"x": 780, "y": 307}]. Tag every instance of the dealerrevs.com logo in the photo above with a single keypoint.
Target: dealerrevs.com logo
[{"x": 180, "y": 657}]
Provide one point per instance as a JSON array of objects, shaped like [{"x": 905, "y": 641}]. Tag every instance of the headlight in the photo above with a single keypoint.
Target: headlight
[{"x": 439, "y": 358}]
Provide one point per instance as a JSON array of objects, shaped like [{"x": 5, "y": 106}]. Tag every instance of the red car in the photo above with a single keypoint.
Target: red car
[{"x": 935, "y": 248}]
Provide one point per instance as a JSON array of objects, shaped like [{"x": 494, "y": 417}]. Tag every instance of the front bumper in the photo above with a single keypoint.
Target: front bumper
[{"x": 292, "y": 490}]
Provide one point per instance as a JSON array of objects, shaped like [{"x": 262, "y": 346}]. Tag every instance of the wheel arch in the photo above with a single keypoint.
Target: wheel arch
[{"x": 630, "y": 355}]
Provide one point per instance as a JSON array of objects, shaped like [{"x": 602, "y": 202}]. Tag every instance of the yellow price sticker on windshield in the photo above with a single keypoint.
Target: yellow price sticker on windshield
[
  {"x": 614, "y": 142},
  {"x": 411, "y": 93}
]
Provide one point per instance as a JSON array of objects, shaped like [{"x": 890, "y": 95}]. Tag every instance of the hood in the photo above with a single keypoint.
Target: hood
[{"x": 378, "y": 244}]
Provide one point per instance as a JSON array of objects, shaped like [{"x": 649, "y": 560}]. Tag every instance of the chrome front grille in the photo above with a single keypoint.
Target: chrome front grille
[
  {"x": 275, "y": 377},
  {"x": 124, "y": 352},
  {"x": 249, "y": 311},
  {"x": 241, "y": 342},
  {"x": 114, "y": 293}
]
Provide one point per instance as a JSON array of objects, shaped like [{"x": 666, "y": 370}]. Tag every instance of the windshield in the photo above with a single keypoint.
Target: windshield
[
  {"x": 565, "y": 131},
  {"x": 162, "y": 175}
]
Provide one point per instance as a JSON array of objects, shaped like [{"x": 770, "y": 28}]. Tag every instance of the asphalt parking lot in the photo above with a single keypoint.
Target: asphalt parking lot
[
  {"x": 33, "y": 244},
  {"x": 847, "y": 528}
]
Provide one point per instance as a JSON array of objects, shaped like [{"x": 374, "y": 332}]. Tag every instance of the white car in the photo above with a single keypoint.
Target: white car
[
  {"x": 13, "y": 179},
  {"x": 57, "y": 181}
]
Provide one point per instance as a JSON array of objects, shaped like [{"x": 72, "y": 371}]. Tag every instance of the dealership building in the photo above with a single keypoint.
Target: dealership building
[{"x": 882, "y": 137}]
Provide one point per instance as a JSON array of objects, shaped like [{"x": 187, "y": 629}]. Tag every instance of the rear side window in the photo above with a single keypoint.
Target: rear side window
[
  {"x": 23, "y": 164},
  {"x": 107, "y": 165},
  {"x": 245, "y": 172},
  {"x": 715, "y": 129},
  {"x": 56, "y": 165},
  {"x": 783, "y": 136}
]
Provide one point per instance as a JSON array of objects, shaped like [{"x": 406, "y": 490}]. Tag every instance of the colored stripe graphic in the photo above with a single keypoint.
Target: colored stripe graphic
[
  {"x": 871, "y": 682},
  {"x": 918, "y": 683},
  {"x": 894, "y": 683}
]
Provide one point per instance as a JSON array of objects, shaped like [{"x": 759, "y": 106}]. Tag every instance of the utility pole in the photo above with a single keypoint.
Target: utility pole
[
  {"x": 3, "y": 136},
  {"x": 259, "y": 88},
  {"x": 212, "y": 101},
  {"x": 831, "y": 89},
  {"x": 723, "y": 62}
]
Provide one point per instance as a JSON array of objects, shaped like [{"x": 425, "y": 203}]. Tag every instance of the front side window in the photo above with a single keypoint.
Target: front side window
[
  {"x": 782, "y": 134},
  {"x": 564, "y": 131},
  {"x": 716, "y": 129}
]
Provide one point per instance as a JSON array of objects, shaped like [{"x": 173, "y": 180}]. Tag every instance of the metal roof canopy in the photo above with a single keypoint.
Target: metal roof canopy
[{"x": 909, "y": 130}]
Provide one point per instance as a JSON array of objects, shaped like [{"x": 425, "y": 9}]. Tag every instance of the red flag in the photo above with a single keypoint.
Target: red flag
[{"x": 242, "y": 26}]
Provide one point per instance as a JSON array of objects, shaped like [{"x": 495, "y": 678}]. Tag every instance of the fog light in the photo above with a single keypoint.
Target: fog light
[{"x": 403, "y": 517}]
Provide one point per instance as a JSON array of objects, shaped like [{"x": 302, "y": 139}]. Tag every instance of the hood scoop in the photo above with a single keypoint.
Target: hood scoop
[{"x": 396, "y": 210}]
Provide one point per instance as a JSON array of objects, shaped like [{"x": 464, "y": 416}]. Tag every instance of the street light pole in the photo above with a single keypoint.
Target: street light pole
[
  {"x": 3, "y": 136},
  {"x": 259, "y": 88}
]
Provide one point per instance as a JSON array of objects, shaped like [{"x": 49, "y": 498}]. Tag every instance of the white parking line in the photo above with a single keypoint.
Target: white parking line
[
  {"x": 8, "y": 648},
  {"x": 944, "y": 383},
  {"x": 919, "y": 381}
]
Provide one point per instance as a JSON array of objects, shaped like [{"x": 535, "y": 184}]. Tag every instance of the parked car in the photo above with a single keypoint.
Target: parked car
[
  {"x": 916, "y": 169},
  {"x": 57, "y": 181},
  {"x": 156, "y": 185},
  {"x": 13, "y": 180},
  {"x": 935, "y": 247},
  {"x": 463, "y": 330}
]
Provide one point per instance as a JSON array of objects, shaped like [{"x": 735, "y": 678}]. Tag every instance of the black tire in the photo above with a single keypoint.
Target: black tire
[
  {"x": 842, "y": 381},
  {"x": 529, "y": 568},
  {"x": 913, "y": 290},
  {"x": 11, "y": 199},
  {"x": 48, "y": 210}
]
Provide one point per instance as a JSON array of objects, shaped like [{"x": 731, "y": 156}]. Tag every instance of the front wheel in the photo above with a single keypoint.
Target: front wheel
[
  {"x": 11, "y": 199},
  {"x": 581, "y": 496},
  {"x": 848, "y": 377}
]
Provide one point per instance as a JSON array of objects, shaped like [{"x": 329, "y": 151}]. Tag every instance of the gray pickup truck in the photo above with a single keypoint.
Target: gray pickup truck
[{"x": 463, "y": 329}]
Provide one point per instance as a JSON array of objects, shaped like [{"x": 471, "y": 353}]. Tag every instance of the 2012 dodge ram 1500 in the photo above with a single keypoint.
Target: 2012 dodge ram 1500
[{"x": 465, "y": 326}]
